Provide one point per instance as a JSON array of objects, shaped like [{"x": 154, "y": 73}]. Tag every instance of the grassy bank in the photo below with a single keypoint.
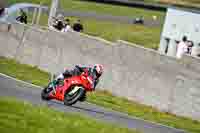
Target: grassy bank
[
  {"x": 105, "y": 99},
  {"x": 22, "y": 117},
  {"x": 110, "y": 9},
  {"x": 24, "y": 72},
  {"x": 195, "y": 3},
  {"x": 148, "y": 37},
  {"x": 79, "y": 5}
]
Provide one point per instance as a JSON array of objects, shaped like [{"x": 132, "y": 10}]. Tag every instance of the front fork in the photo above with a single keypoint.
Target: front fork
[
  {"x": 53, "y": 82},
  {"x": 54, "y": 86},
  {"x": 54, "y": 90}
]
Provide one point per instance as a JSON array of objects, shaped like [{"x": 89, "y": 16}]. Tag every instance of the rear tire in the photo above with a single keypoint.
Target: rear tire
[
  {"x": 72, "y": 99},
  {"x": 83, "y": 98}
]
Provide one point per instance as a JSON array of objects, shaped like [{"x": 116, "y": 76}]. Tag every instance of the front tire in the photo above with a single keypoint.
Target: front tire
[
  {"x": 73, "y": 98},
  {"x": 45, "y": 94}
]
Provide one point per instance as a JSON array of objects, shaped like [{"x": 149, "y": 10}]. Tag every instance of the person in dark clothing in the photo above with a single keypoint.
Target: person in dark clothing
[
  {"x": 2, "y": 10},
  {"x": 58, "y": 22},
  {"x": 22, "y": 18},
  {"x": 139, "y": 20},
  {"x": 78, "y": 27},
  {"x": 59, "y": 25},
  {"x": 67, "y": 26},
  {"x": 189, "y": 48}
]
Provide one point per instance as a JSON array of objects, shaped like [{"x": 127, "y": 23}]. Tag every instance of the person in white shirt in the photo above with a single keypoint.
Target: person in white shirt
[
  {"x": 67, "y": 26},
  {"x": 182, "y": 47}
]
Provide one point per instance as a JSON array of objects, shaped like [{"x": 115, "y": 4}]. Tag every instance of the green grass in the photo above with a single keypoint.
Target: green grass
[
  {"x": 146, "y": 36},
  {"x": 44, "y": 2},
  {"x": 110, "y": 9},
  {"x": 79, "y": 5},
  {"x": 24, "y": 72},
  {"x": 42, "y": 22},
  {"x": 104, "y": 98},
  {"x": 21, "y": 117}
]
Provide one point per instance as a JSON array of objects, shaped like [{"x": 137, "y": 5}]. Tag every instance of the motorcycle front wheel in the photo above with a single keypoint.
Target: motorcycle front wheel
[{"x": 45, "y": 93}]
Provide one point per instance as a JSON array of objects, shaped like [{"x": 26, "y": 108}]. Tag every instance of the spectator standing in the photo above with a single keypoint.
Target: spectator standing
[
  {"x": 182, "y": 47},
  {"x": 3, "y": 5},
  {"x": 78, "y": 27},
  {"x": 58, "y": 23},
  {"x": 190, "y": 45},
  {"x": 23, "y": 17},
  {"x": 2, "y": 10}
]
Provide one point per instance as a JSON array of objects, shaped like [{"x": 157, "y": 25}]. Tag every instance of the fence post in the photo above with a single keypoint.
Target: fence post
[
  {"x": 20, "y": 42},
  {"x": 34, "y": 16},
  {"x": 52, "y": 77},
  {"x": 39, "y": 14},
  {"x": 53, "y": 9}
]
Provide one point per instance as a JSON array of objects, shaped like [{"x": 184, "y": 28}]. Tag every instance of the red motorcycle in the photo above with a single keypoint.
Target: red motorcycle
[{"x": 69, "y": 90}]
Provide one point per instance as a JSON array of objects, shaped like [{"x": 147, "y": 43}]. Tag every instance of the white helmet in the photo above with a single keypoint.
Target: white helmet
[{"x": 98, "y": 68}]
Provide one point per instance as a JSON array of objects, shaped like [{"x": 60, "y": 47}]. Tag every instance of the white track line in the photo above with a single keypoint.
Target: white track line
[
  {"x": 20, "y": 81},
  {"x": 179, "y": 130}
]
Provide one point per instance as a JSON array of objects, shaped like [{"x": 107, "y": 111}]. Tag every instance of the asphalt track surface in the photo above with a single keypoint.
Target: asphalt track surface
[{"x": 10, "y": 87}]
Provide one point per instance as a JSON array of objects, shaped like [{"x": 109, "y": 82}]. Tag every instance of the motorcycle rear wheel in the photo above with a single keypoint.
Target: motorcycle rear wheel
[{"x": 72, "y": 99}]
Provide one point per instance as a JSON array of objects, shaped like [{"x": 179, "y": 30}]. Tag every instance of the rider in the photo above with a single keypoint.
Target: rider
[
  {"x": 23, "y": 17},
  {"x": 95, "y": 72}
]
